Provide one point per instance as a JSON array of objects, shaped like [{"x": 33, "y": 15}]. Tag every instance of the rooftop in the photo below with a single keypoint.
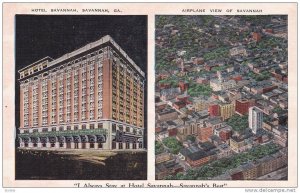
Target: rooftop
[{"x": 83, "y": 49}]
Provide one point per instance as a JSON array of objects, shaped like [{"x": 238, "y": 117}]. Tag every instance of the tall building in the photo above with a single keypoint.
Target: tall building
[
  {"x": 255, "y": 119},
  {"x": 242, "y": 105},
  {"x": 214, "y": 109},
  {"x": 92, "y": 97},
  {"x": 227, "y": 110}
]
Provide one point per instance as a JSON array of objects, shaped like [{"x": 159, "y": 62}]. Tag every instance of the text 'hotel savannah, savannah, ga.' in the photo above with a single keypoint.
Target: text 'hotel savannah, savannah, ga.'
[{"x": 91, "y": 98}]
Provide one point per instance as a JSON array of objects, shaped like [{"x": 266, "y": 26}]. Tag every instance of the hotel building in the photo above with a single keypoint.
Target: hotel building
[
  {"x": 227, "y": 110},
  {"x": 91, "y": 98}
]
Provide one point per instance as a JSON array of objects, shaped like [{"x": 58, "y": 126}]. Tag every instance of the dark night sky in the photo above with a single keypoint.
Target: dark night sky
[{"x": 38, "y": 36}]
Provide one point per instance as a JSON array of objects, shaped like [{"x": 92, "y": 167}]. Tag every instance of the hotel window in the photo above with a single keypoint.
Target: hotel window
[
  {"x": 127, "y": 129},
  {"x": 68, "y": 128},
  {"x": 113, "y": 145},
  {"x": 83, "y": 127},
  {"x": 127, "y": 145},
  {"x": 100, "y": 125},
  {"x": 92, "y": 126},
  {"x": 92, "y": 81},
  {"x": 76, "y": 127},
  {"x": 61, "y": 128},
  {"x": 99, "y": 70},
  {"x": 113, "y": 127},
  {"x": 99, "y": 114},
  {"x": 92, "y": 97}
]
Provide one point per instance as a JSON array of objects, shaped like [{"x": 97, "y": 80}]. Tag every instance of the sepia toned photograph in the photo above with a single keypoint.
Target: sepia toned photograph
[
  {"x": 221, "y": 97},
  {"x": 81, "y": 90}
]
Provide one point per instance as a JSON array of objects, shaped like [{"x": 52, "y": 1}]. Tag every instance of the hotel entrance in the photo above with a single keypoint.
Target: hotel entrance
[{"x": 76, "y": 145}]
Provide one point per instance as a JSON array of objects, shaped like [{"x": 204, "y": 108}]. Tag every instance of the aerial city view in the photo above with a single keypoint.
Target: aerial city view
[{"x": 221, "y": 97}]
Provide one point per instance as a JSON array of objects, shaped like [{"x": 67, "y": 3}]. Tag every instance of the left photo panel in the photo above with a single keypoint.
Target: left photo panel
[{"x": 81, "y": 97}]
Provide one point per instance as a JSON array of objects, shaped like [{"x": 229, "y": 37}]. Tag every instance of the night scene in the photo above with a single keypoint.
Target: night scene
[{"x": 81, "y": 97}]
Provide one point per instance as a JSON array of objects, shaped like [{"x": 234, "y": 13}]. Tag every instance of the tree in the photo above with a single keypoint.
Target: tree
[
  {"x": 158, "y": 148},
  {"x": 173, "y": 144},
  {"x": 192, "y": 138},
  {"x": 238, "y": 123}
]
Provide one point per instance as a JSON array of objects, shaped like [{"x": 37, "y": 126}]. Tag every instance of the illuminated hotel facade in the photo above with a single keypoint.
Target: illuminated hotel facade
[{"x": 91, "y": 98}]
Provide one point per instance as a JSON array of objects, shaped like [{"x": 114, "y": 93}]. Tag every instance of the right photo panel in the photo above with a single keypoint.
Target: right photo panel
[{"x": 221, "y": 97}]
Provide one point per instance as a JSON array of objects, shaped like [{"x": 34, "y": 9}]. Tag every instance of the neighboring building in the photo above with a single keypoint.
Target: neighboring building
[
  {"x": 159, "y": 106},
  {"x": 240, "y": 50},
  {"x": 256, "y": 36},
  {"x": 172, "y": 131},
  {"x": 164, "y": 169},
  {"x": 204, "y": 133},
  {"x": 170, "y": 93},
  {"x": 202, "y": 103},
  {"x": 250, "y": 171},
  {"x": 260, "y": 167},
  {"x": 183, "y": 86},
  {"x": 215, "y": 122},
  {"x": 198, "y": 61},
  {"x": 183, "y": 97},
  {"x": 217, "y": 85},
  {"x": 227, "y": 110},
  {"x": 242, "y": 106},
  {"x": 91, "y": 98},
  {"x": 167, "y": 115},
  {"x": 214, "y": 110},
  {"x": 195, "y": 156},
  {"x": 225, "y": 133},
  {"x": 189, "y": 128},
  {"x": 272, "y": 162},
  {"x": 224, "y": 151},
  {"x": 163, "y": 157},
  {"x": 255, "y": 119},
  {"x": 238, "y": 144},
  {"x": 179, "y": 104}
]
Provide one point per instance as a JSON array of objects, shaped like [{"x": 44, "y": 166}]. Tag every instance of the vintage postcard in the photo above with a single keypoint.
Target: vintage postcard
[{"x": 150, "y": 95}]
